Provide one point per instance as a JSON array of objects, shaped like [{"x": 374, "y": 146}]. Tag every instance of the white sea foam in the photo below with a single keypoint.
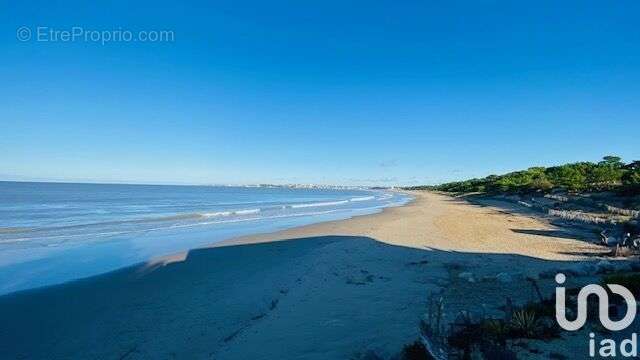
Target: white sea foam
[
  {"x": 363, "y": 198},
  {"x": 229, "y": 213},
  {"x": 217, "y": 213},
  {"x": 254, "y": 219},
  {"x": 328, "y": 203},
  {"x": 247, "y": 212}
]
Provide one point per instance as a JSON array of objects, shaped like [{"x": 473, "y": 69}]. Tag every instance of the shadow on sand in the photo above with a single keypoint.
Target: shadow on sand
[
  {"x": 550, "y": 233},
  {"x": 312, "y": 298}
]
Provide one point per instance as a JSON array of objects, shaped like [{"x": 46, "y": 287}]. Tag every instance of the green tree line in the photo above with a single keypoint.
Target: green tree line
[{"x": 609, "y": 174}]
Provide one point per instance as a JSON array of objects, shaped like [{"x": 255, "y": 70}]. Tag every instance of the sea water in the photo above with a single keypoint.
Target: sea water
[{"x": 55, "y": 232}]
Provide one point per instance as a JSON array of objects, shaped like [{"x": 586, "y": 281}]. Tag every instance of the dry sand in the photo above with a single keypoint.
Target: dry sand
[
  {"x": 435, "y": 221},
  {"x": 325, "y": 291}
]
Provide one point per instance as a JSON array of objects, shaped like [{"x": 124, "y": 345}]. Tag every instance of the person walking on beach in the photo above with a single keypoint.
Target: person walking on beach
[
  {"x": 604, "y": 239},
  {"x": 626, "y": 237}
]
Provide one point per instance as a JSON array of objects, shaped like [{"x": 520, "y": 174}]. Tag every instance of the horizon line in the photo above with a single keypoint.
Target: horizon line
[{"x": 89, "y": 182}]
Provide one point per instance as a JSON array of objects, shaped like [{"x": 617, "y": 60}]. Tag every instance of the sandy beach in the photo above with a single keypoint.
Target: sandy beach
[
  {"x": 435, "y": 221},
  {"x": 326, "y": 291}
]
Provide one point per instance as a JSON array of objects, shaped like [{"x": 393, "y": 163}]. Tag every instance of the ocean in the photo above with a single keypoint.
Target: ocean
[{"x": 55, "y": 232}]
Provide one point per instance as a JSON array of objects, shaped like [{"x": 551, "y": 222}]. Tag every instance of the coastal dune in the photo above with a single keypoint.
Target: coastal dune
[{"x": 326, "y": 291}]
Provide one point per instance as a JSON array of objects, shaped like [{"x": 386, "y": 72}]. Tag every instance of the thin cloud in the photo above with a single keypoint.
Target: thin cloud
[{"x": 388, "y": 163}]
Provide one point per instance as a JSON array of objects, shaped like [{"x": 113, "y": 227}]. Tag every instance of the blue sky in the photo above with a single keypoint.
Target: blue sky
[{"x": 328, "y": 92}]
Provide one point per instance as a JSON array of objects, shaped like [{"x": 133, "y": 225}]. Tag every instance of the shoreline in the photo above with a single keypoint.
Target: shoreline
[
  {"x": 322, "y": 291},
  {"x": 45, "y": 258},
  {"x": 497, "y": 209},
  {"x": 267, "y": 236},
  {"x": 314, "y": 228}
]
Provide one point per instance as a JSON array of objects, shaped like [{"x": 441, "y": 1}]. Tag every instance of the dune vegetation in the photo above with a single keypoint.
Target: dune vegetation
[
  {"x": 610, "y": 174},
  {"x": 603, "y": 195}
]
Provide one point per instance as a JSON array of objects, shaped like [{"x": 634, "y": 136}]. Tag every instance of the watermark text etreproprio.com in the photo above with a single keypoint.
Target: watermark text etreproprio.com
[{"x": 81, "y": 34}]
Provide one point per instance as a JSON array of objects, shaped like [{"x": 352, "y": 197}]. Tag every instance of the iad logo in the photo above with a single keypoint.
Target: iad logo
[
  {"x": 603, "y": 306},
  {"x": 606, "y": 347}
]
